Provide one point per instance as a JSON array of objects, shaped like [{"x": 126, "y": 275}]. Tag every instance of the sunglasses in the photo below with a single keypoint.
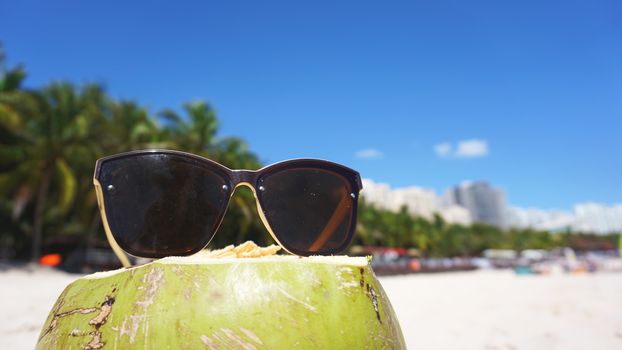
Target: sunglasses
[{"x": 157, "y": 203}]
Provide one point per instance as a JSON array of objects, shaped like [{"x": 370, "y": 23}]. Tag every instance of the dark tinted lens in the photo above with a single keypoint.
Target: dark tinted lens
[
  {"x": 311, "y": 211},
  {"x": 161, "y": 204}
]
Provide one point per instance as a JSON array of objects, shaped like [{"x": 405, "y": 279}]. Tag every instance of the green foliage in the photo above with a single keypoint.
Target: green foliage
[
  {"x": 436, "y": 238},
  {"x": 50, "y": 138},
  {"x": 49, "y": 141}
]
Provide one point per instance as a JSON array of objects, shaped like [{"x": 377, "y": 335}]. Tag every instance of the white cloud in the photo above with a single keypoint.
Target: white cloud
[
  {"x": 471, "y": 148},
  {"x": 369, "y": 153},
  {"x": 443, "y": 149}
]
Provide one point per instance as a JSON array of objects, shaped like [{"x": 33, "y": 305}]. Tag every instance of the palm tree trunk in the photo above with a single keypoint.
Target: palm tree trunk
[{"x": 37, "y": 231}]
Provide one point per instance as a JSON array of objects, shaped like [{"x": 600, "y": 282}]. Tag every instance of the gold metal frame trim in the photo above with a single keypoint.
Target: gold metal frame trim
[
  {"x": 264, "y": 220},
  {"x": 125, "y": 261}
]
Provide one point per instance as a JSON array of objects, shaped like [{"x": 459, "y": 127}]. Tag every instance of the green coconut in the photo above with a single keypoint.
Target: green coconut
[{"x": 275, "y": 302}]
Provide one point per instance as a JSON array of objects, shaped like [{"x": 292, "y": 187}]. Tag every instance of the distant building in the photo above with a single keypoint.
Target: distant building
[
  {"x": 419, "y": 201},
  {"x": 485, "y": 203},
  {"x": 480, "y": 202},
  {"x": 455, "y": 214},
  {"x": 547, "y": 220},
  {"x": 585, "y": 217},
  {"x": 599, "y": 218}
]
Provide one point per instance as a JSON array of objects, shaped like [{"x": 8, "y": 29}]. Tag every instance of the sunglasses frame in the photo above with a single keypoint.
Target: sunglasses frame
[{"x": 236, "y": 178}]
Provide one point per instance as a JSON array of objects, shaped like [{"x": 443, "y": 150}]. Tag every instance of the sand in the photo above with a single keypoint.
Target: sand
[
  {"x": 26, "y": 297},
  {"x": 500, "y": 310},
  {"x": 470, "y": 310}
]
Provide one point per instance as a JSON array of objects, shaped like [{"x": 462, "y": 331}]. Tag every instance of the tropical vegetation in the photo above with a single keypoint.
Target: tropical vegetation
[
  {"x": 437, "y": 238},
  {"x": 51, "y": 136}
]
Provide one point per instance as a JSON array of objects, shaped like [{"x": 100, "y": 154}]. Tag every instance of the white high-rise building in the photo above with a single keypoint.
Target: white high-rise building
[{"x": 484, "y": 202}]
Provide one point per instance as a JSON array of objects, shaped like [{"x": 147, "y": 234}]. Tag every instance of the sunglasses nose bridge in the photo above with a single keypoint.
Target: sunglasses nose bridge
[{"x": 243, "y": 178}]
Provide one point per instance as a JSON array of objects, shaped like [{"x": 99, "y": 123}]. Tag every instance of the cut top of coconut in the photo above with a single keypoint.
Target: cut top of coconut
[
  {"x": 332, "y": 259},
  {"x": 247, "y": 252},
  {"x": 247, "y": 249}
]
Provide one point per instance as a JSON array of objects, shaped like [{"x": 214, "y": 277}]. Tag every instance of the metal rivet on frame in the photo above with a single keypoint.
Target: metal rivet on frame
[{"x": 111, "y": 189}]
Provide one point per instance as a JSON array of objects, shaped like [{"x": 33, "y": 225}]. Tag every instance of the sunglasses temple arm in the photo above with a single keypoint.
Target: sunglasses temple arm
[
  {"x": 125, "y": 261},
  {"x": 332, "y": 224}
]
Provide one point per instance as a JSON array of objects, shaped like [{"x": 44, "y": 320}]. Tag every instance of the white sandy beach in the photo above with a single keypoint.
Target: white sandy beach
[
  {"x": 497, "y": 310},
  {"x": 470, "y": 310}
]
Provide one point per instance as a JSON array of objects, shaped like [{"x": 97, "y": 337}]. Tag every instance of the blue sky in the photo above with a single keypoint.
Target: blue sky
[{"x": 524, "y": 94}]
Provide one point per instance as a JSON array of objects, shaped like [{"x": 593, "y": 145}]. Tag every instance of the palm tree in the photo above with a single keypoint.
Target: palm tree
[
  {"x": 56, "y": 131},
  {"x": 196, "y": 133},
  {"x": 130, "y": 127},
  {"x": 10, "y": 155}
]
